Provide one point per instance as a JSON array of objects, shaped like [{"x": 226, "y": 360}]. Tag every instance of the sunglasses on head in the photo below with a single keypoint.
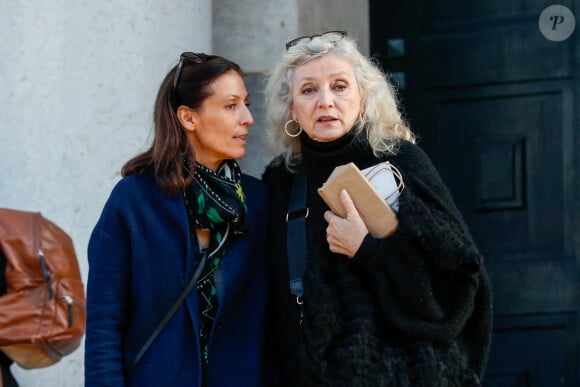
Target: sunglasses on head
[
  {"x": 329, "y": 36},
  {"x": 190, "y": 57}
]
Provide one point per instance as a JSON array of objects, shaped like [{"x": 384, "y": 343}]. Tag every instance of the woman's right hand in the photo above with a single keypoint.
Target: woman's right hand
[{"x": 345, "y": 235}]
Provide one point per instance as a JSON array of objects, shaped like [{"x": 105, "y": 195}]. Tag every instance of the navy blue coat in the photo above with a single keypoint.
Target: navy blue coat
[{"x": 140, "y": 257}]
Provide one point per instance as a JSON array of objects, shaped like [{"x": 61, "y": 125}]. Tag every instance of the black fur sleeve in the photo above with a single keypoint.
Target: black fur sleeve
[{"x": 427, "y": 274}]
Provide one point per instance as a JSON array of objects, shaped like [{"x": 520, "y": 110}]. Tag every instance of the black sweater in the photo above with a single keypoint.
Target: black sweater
[{"x": 413, "y": 309}]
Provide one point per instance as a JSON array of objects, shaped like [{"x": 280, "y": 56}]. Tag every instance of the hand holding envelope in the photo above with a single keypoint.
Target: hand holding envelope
[{"x": 374, "y": 192}]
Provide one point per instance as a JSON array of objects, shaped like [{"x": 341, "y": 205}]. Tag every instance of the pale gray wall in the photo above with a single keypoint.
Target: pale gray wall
[
  {"x": 332, "y": 15},
  {"x": 77, "y": 85},
  {"x": 253, "y": 33}
]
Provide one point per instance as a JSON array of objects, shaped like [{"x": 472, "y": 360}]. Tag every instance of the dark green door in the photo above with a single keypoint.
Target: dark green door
[{"x": 495, "y": 104}]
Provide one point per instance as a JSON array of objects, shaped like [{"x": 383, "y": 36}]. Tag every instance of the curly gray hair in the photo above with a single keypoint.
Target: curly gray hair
[{"x": 380, "y": 119}]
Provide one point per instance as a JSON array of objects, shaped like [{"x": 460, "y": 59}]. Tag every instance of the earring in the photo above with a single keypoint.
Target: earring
[{"x": 290, "y": 134}]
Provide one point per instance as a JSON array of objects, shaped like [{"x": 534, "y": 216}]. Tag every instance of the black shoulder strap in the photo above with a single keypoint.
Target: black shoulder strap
[
  {"x": 170, "y": 312},
  {"x": 296, "y": 232}
]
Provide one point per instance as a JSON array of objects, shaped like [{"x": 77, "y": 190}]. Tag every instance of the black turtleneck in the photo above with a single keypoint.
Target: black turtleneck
[{"x": 319, "y": 159}]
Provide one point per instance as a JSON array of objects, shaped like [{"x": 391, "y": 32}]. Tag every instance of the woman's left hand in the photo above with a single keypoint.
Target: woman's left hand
[{"x": 345, "y": 235}]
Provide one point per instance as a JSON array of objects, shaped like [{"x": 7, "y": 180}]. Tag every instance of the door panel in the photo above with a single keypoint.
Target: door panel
[
  {"x": 493, "y": 103},
  {"x": 537, "y": 350},
  {"x": 514, "y": 200},
  {"x": 453, "y": 11},
  {"x": 485, "y": 52}
]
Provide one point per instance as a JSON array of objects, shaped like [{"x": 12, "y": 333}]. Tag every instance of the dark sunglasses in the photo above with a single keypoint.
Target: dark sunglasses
[
  {"x": 190, "y": 57},
  {"x": 329, "y": 36}
]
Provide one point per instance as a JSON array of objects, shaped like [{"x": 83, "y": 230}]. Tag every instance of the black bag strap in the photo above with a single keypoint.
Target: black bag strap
[
  {"x": 170, "y": 312},
  {"x": 296, "y": 234}
]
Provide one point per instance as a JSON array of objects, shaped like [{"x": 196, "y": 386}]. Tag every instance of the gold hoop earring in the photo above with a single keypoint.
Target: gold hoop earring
[{"x": 290, "y": 134}]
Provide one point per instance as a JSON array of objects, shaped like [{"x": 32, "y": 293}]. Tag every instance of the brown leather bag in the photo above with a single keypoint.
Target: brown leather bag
[{"x": 42, "y": 314}]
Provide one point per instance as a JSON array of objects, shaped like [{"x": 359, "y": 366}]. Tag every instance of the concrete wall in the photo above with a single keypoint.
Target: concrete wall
[
  {"x": 336, "y": 15},
  {"x": 77, "y": 85},
  {"x": 253, "y": 32}
]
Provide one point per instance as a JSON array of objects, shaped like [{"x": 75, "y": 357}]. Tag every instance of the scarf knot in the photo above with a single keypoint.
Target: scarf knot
[{"x": 216, "y": 198}]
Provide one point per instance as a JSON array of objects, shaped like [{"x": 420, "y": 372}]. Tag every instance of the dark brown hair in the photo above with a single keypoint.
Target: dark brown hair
[{"x": 170, "y": 150}]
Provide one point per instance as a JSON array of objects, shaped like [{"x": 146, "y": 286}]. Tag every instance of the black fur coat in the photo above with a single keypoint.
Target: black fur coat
[{"x": 413, "y": 309}]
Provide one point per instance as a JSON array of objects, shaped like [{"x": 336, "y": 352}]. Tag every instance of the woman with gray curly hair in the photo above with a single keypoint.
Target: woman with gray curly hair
[
  {"x": 411, "y": 307},
  {"x": 380, "y": 116}
]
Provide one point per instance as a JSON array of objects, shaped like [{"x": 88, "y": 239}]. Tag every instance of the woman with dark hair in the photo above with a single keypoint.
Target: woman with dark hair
[{"x": 177, "y": 280}]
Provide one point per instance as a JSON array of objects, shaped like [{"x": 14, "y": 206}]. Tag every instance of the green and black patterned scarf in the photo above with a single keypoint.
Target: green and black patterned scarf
[
  {"x": 215, "y": 201},
  {"x": 217, "y": 198}
]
